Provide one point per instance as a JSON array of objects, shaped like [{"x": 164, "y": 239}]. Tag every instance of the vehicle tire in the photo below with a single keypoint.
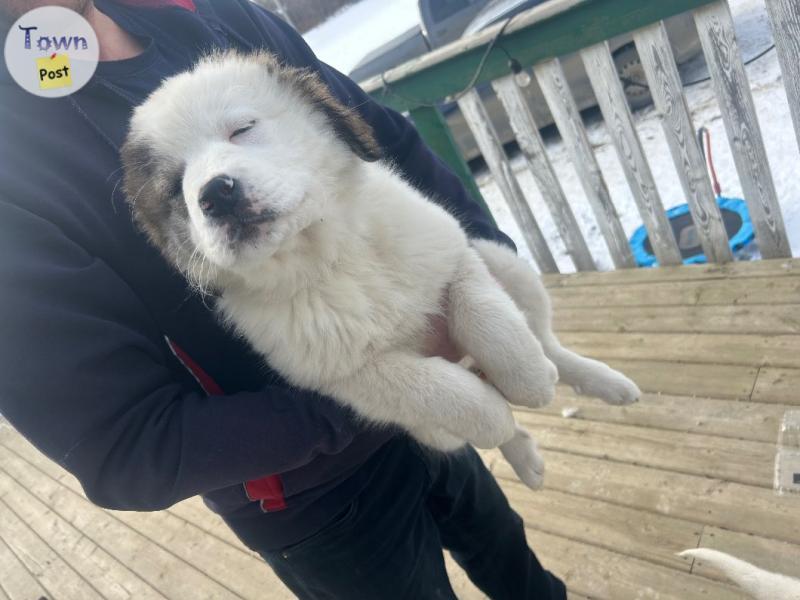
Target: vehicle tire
[{"x": 631, "y": 73}]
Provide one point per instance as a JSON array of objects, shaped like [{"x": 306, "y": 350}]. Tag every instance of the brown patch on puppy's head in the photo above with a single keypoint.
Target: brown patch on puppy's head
[
  {"x": 154, "y": 195},
  {"x": 349, "y": 126}
]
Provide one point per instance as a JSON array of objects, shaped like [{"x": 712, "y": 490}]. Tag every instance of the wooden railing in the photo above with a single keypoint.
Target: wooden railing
[{"x": 559, "y": 27}]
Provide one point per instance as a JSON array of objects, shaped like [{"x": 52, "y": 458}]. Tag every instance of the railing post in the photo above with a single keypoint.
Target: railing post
[
  {"x": 784, "y": 16},
  {"x": 619, "y": 122},
  {"x": 492, "y": 150},
  {"x": 431, "y": 125},
  {"x": 530, "y": 142},
  {"x": 715, "y": 26},
  {"x": 665, "y": 84},
  {"x": 553, "y": 82}
]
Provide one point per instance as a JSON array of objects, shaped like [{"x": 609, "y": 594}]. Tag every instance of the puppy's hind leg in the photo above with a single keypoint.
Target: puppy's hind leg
[
  {"x": 485, "y": 323},
  {"x": 586, "y": 376}
]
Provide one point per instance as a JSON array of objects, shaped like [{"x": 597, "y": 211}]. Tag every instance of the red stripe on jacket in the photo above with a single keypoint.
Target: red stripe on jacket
[{"x": 268, "y": 491}]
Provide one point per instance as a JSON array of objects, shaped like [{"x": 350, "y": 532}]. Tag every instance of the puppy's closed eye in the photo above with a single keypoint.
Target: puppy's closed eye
[{"x": 243, "y": 129}]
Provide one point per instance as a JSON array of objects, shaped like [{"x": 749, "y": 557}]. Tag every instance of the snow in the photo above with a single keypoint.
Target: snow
[{"x": 345, "y": 38}]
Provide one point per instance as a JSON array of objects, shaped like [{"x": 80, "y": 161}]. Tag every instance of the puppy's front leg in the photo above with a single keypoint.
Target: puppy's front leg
[
  {"x": 425, "y": 394},
  {"x": 439, "y": 438},
  {"x": 523, "y": 456}
]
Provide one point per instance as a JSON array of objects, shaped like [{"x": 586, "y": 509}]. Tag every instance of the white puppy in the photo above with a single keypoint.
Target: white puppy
[{"x": 256, "y": 183}]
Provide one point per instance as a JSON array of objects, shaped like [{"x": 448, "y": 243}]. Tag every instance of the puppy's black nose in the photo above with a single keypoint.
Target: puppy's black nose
[{"x": 219, "y": 196}]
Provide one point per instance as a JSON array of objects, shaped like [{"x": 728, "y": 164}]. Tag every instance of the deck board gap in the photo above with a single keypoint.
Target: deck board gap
[{"x": 755, "y": 381}]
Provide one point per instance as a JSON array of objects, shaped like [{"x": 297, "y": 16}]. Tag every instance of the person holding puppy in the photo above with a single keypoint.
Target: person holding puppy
[{"x": 114, "y": 368}]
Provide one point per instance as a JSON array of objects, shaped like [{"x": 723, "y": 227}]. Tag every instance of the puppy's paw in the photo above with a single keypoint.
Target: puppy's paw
[
  {"x": 609, "y": 385},
  {"x": 523, "y": 456},
  {"x": 547, "y": 392},
  {"x": 536, "y": 385}
]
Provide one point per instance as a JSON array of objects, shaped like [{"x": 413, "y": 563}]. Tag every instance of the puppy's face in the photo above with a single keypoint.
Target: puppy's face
[{"x": 226, "y": 163}]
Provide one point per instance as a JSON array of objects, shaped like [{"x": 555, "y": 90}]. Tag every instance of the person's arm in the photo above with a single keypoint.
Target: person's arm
[
  {"x": 398, "y": 136},
  {"x": 84, "y": 375}
]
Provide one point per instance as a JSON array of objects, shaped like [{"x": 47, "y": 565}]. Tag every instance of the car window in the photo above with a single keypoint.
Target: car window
[{"x": 443, "y": 9}]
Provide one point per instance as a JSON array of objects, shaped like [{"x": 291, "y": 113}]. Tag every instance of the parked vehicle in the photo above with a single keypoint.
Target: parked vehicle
[{"x": 444, "y": 21}]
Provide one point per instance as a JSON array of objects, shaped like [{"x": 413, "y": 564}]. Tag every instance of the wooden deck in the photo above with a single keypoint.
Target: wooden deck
[{"x": 717, "y": 352}]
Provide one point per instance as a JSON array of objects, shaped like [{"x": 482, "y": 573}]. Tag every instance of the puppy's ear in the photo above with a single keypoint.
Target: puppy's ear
[
  {"x": 349, "y": 126},
  {"x": 346, "y": 122}
]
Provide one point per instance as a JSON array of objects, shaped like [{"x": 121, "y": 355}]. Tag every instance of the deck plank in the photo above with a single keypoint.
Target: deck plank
[
  {"x": 769, "y": 291},
  {"x": 735, "y": 270},
  {"x": 55, "y": 575},
  {"x": 773, "y": 555},
  {"x": 777, "y": 385},
  {"x": 740, "y": 461},
  {"x": 686, "y": 379},
  {"x": 108, "y": 576},
  {"x": 233, "y": 567},
  {"x": 238, "y": 570},
  {"x": 192, "y": 510},
  {"x": 694, "y": 348},
  {"x": 704, "y": 500},
  {"x": 154, "y": 564},
  {"x": 709, "y": 416},
  {"x": 645, "y": 535},
  {"x": 17, "y": 583},
  {"x": 605, "y": 575},
  {"x": 756, "y": 319}
]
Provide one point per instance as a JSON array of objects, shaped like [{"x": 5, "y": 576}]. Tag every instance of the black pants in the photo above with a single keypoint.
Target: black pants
[{"x": 388, "y": 544}]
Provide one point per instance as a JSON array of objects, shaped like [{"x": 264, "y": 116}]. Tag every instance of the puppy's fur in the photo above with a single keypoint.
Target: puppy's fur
[
  {"x": 331, "y": 265},
  {"x": 760, "y": 584}
]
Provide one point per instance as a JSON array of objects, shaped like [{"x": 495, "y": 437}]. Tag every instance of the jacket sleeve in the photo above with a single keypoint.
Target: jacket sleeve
[
  {"x": 398, "y": 136},
  {"x": 84, "y": 375}
]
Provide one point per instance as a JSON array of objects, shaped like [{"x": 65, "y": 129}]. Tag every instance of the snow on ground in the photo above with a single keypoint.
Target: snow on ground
[
  {"x": 344, "y": 39},
  {"x": 776, "y": 127}
]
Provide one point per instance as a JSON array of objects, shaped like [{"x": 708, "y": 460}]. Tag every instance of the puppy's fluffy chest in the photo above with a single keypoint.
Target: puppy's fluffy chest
[{"x": 362, "y": 280}]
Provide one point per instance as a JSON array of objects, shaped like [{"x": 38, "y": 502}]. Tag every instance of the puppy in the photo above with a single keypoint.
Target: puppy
[{"x": 256, "y": 183}]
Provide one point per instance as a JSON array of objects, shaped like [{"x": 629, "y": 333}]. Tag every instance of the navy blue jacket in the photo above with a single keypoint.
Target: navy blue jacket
[{"x": 109, "y": 364}]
